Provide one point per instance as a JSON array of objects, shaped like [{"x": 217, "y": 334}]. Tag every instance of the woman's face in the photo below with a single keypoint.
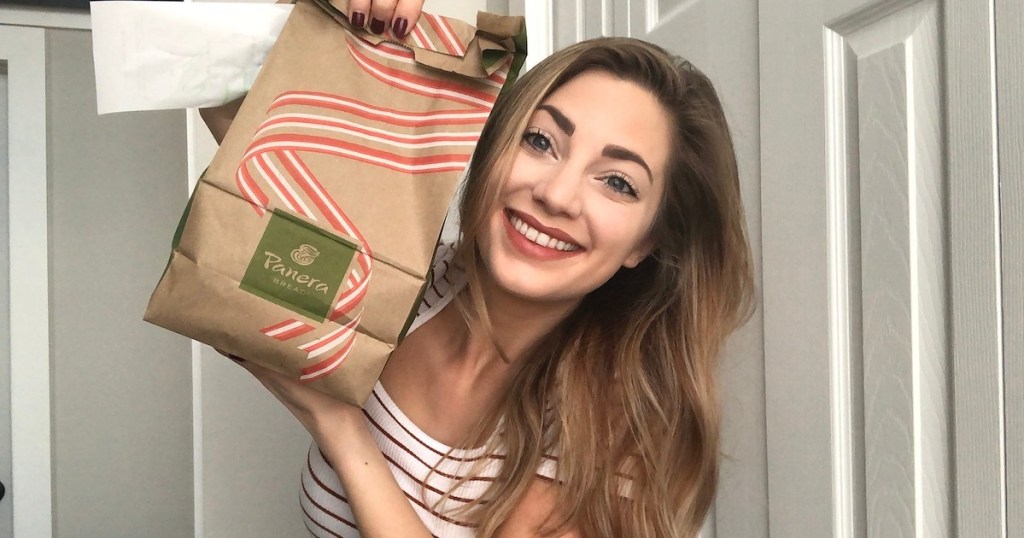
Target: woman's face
[{"x": 583, "y": 192}]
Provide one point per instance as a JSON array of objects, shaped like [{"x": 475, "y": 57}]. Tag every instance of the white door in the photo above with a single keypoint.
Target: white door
[
  {"x": 881, "y": 263},
  {"x": 720, "y": 38},
  {"x": 866, "y": 137},
  {"x": 855, "y": 299}
]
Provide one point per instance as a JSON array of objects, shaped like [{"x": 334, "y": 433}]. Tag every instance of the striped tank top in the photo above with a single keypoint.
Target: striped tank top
[{"x": 411, "y": 454}]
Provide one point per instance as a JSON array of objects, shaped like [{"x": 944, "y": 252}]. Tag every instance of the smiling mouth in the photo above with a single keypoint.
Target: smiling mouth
[{"x": 538, "y": 237}]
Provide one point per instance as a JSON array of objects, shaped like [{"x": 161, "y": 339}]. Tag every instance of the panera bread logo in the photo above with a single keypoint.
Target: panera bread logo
[
  {"x": 274, "y": 265},
  {"x": 298, "y": 266},
  {"x": 305, "y": 255}
]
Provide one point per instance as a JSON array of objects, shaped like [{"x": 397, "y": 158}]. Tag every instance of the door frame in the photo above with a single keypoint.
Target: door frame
[{"x": 24, "y": 51}]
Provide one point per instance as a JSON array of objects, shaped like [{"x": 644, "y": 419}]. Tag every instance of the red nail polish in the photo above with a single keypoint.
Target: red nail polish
[
  {"x": 377, "y": 26},
  {"x": 358, "y": 19},
  {"x": 400, "y": 27}
]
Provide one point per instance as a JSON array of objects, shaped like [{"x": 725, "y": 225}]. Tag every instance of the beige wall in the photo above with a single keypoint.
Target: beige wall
[{"x": 120, "y": 387}]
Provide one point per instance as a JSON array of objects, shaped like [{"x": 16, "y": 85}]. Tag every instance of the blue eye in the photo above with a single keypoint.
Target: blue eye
[
  {"x": 537, "y": 140},
  {"x": 620, "y": 185}
]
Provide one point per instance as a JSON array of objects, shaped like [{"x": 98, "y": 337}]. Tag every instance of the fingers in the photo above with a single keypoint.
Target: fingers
[
  {"x": 406, "y": 14},
  {"x": 357, "y": 12},
  {"x": 381, "y": 12},
  {"x": 295, "y": 397},
  {"x": 235, "y": 358},
  {"x": 380, "y": 15}
]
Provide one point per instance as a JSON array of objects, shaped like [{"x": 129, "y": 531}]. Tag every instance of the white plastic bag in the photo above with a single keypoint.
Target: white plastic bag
[{"x": 162, "y": 55}]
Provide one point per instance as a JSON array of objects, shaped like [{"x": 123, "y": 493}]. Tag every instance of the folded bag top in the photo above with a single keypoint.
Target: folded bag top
[
  {"x": 309, "y": 239},
  {"x": 435, "y": 40}
]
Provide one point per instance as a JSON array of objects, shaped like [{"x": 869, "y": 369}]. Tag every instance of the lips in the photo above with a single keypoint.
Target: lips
[{"x": 535, "y": 235}]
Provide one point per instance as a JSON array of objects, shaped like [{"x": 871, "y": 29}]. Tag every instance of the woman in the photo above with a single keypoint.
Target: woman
[{"x": 563, "y": 381}]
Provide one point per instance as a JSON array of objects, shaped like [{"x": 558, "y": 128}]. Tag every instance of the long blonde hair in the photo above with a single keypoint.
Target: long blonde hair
[{"x": 623, "y": 390}]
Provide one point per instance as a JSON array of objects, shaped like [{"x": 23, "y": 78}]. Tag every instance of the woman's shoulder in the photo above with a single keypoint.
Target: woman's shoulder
[{"x": 444, "y": 281}]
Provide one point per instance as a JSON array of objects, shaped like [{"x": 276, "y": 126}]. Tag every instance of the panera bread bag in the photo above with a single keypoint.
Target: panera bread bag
[{"x": 308, "y": 240}]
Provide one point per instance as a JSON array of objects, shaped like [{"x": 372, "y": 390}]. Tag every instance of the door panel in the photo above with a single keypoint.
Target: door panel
[
  {"x": 859, "y": 308},
  {"x": 1009, "y": 16},
  {"x": 975, "y": 269},
  {"x": 893, "y": 267}
]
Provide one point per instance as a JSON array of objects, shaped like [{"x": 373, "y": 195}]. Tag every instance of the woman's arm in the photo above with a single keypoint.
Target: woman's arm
[
  {"x": 380, "y": 506},
  {"x": 219, "y": 118}
]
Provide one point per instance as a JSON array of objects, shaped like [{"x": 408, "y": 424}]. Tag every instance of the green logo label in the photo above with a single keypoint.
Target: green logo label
[{"x": 298, "y": 266}]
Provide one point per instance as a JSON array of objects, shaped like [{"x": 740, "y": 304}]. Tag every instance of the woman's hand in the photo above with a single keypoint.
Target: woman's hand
[
  {"x": 341, "y": 433},
  {"x": 379, "y": 15},
  {"x": 326, "y": 418}
]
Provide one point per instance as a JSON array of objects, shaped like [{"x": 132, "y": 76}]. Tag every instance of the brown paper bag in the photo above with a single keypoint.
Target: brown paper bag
[{"x": 308, "y": 240}]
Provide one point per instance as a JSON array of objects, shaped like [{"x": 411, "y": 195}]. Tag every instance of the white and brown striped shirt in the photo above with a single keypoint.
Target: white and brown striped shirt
[{"x": 411, "y": 453}]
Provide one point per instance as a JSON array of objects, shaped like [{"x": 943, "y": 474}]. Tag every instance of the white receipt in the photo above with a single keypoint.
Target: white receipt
[{"x": 160, "y": 55}]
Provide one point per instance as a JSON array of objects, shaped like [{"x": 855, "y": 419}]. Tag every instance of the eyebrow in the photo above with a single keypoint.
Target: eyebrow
[
  {"x": 563, "y": 122},
  {"x": 623, "y": 154},
  {"x": 610, "y": 151}
]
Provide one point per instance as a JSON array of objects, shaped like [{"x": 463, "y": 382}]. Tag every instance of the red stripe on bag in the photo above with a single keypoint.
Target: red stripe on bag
[
  {"x": 280, "y": 186},
  {"x": 336, "y": 216},
  {"x": 421, "y": 85},
  {"x": 287, "y": 329},
  {"x": 328, "y": 365},
  {"x": 387, "y": 115},
  {"x": 330, "y": 339},
  {"x": 420, "y": 37},
  {"x": 250, "y": 191},
  {"x": 316, "y": 192},
  {"x": 309, "y": 121},
  {"x": 321, "y": 144},
  {"x": 348, "y": 302},
  {"x": 446, "y": 33}
]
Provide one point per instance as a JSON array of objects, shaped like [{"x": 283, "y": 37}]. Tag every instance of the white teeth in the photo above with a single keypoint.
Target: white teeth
[{"x": 542, "y": 239}]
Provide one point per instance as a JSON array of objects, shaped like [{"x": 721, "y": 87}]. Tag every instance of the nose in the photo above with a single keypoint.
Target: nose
[{"x": 560, "y": 191}]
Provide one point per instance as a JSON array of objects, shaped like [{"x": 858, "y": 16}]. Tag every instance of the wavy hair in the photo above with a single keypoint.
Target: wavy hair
[{"x": 629, "y": 408}]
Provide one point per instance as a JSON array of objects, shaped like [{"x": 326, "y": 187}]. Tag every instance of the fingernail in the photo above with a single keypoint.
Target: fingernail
[
  {"x": 358, "y": 19},
  {"x": 377, "y": 26},
  {"x": 400, "y": 26}
]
